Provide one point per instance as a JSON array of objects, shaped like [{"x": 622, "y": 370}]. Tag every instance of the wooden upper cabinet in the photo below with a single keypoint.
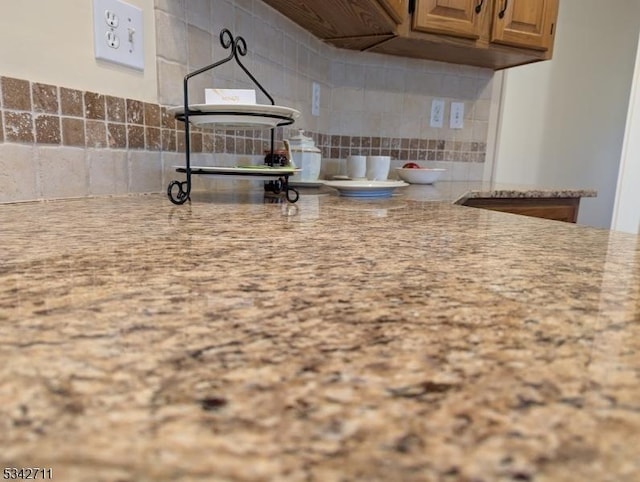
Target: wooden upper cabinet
[
  {"x": 525, "y": 23},
  {"x": 494, "y": 34},
  {"x": 460, "y": 18},
  {"x": 398, "y": 9},
  {"x": 339, "y": 19}
]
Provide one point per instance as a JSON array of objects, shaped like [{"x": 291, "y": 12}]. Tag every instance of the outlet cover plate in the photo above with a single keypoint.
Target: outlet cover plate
[
  {"x": 437, "y": 113},
  {"x": 118, "y": 35},
  {"x": 456, "y": 120},
  {"x": 315, "y": 99}
]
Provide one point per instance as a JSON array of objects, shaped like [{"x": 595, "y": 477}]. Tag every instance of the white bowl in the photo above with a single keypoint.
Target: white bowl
[{"x": 419, "y": 176}]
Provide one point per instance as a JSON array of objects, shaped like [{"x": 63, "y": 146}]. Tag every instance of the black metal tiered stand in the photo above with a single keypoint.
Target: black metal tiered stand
[{"x": 179, "y": 192}]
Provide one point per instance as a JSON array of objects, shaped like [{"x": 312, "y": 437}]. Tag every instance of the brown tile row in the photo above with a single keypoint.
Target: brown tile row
[
  {"x": 25, "y": 127},
  {"x": 340, "y": 147},
  {"x": 47, "y": 114},
  {"x": 393, "y": 143},
  {"x": 37, "y": 98},
  {"x": 247, "y": 142}
]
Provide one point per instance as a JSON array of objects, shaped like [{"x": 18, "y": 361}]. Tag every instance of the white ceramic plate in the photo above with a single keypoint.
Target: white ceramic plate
[
  {"x": 274, "y": 172},
  {"x": 419, "y": 176},
  {"x": 237, "y": 115},
  {"x": 365, "y": 188}
]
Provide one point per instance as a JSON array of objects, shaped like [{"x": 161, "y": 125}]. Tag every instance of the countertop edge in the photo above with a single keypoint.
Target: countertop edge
[{"x": 525, "y": 193}]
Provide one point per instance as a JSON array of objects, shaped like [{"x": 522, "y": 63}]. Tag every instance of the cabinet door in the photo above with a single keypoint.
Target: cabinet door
[
  {"x": 396, "y": 8},
  {"x": 461, "y": 18},
  {"x": 525, "y": 23}
]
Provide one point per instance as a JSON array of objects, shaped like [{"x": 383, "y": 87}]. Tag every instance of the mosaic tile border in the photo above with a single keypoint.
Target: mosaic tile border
[{"x": 37, "y": 113}]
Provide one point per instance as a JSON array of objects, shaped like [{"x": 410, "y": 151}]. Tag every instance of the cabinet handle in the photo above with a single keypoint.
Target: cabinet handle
[
  {"x": 479, "y": 6},
  {"x": 504, "y": 9}
]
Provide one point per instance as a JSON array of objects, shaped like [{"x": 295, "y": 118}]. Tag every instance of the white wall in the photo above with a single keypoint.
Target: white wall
[
  {"x": 626, "y": 213},
  {"x": 562, "y": 121},
  {"x": 51, "y": 41}
]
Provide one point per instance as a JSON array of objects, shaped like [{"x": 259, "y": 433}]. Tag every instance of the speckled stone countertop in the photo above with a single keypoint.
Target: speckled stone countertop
[
  {"x": 234, "y": 339},
  {"x": 460, "y": 191}
]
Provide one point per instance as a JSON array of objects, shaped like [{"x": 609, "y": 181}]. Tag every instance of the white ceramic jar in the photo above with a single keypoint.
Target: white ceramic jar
[{"x": 306, "y": 156}]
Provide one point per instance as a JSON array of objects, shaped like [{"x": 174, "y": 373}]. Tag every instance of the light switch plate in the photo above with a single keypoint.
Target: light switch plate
[
  {"x": 118, "y": 35},
  {"x": 437, "y": 113},
  {"x": 456, "y": 120}
]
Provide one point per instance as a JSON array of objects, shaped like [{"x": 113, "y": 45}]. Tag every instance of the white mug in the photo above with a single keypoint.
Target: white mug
[
  {"x": 357, "y": 167},
  {"x": 378, "y": 167}
]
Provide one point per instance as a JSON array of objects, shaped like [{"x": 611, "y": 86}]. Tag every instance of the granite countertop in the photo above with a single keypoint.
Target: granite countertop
[
  {"x": 237, "y": 339},
  {"x": 460, "y": 191}
]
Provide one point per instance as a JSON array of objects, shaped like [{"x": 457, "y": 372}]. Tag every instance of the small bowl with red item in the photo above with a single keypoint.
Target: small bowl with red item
[{"x": 412, "y": 173}]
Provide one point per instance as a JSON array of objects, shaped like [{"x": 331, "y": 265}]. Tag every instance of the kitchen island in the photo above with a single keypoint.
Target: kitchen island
[
  {"x": 560, "y": 204},
  {"x": 236, "y": 338}
]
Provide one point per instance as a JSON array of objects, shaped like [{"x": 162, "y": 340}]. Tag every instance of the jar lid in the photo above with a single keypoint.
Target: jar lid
[{"x": 302, "y": 143}]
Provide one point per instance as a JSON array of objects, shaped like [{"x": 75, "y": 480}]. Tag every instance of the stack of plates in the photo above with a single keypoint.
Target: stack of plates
[
  {"x": 365, "y": 188},
  {"x": 238, "y": 116},
  {"x": 230, "y": 172}
]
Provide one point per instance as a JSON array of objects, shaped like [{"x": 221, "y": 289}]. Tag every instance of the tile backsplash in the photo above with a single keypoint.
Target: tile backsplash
[{"x": 60, "y": 142}]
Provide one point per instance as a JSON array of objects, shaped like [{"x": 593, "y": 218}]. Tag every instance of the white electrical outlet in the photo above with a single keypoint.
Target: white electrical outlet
[
  {"x": 437, "y": 113},
  {"x": 456, "y": 120},
  {"x": 118, "y": 35},
  {"x": 112, "y": 39},
  {"x": 315, "y": 99},
  {"x": 111, "y": 19}
]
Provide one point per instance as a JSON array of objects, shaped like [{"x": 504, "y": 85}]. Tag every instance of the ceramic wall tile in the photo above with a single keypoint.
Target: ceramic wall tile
[
  {"x": 71, "y": 102},
  {"x": 62, "y": 172},
  {"x": 18, "y": 173},
  {"x": 246, "y": 5},
  {"x": 94, "y": 106},
  {"x": 172, "y": 7},
  {"x": 116, "y": 109},
  {"x": 199, "y": 14},
  {"x": 145, "y": 172},
  {"x": 16, "y": 94},
  {"x": 96, "y": 133},
  {"x": 108, "y": 172},
  {"x": 116, "y": 136},
  {"x": 73, "y": 132},
  {"x": 170, "y": 75},
  {"x": 18, "y": 126},
  {"x": 45, "y": 98},
  {"x": 200, "y": 47},
  {"x": 47, "y": 128},
  {"x": 171, "y": 38}
]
